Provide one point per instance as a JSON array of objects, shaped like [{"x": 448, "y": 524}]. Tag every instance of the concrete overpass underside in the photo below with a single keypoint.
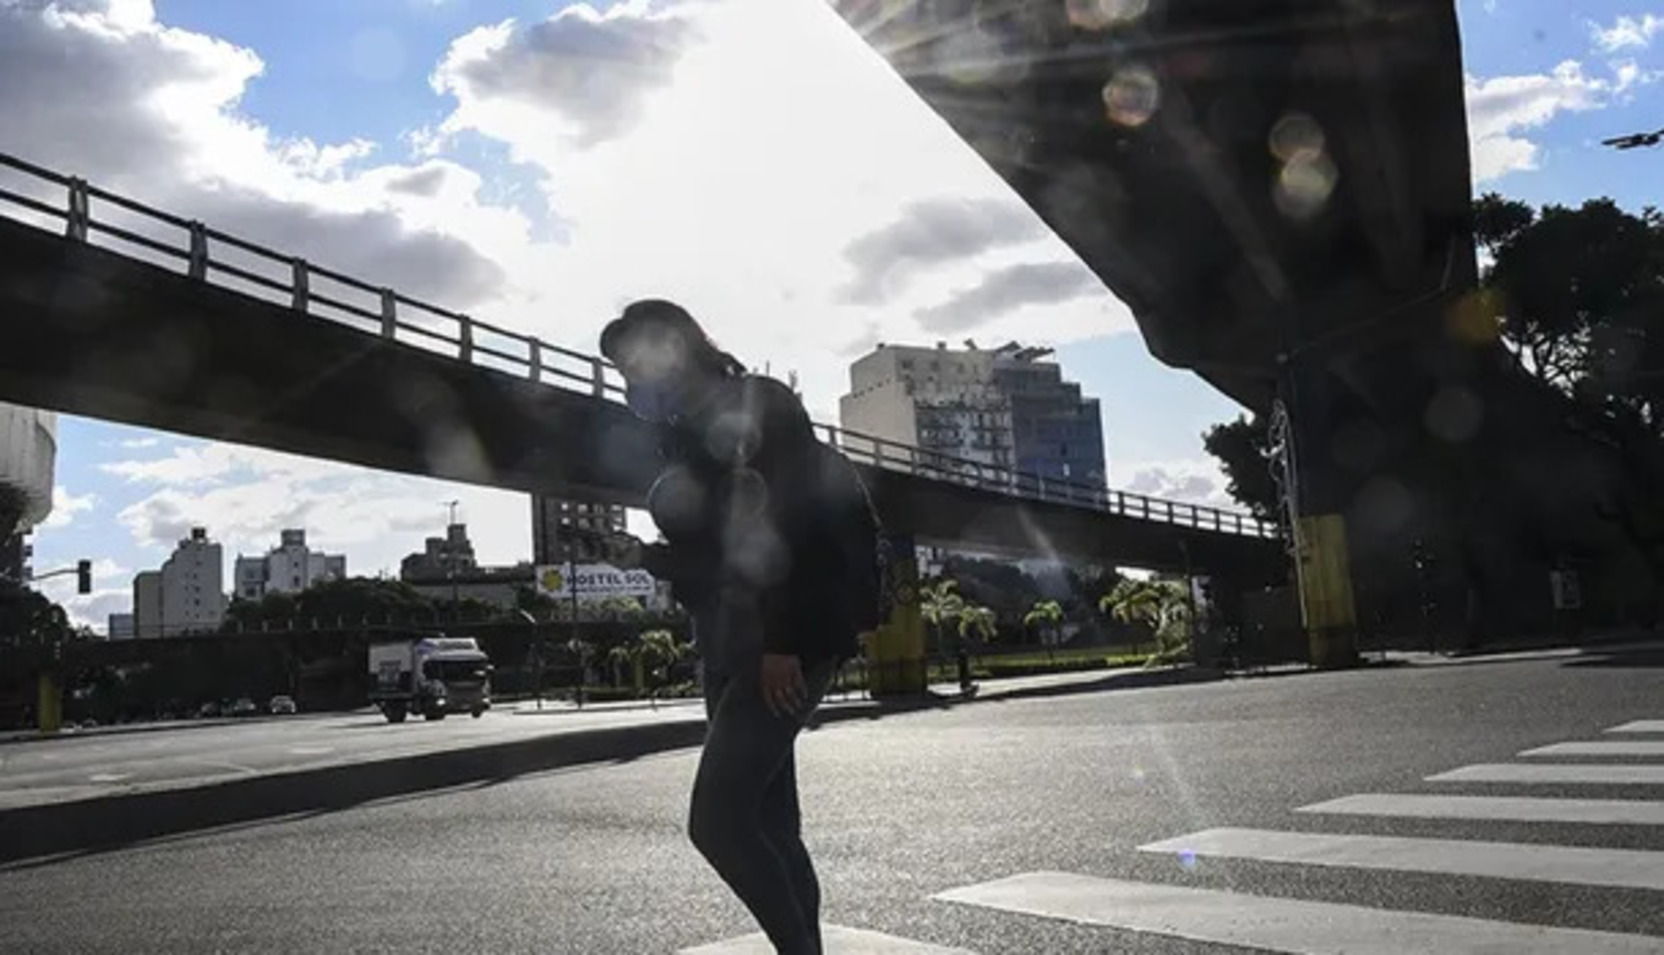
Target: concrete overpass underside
[{"x": 1280, "y": 191}]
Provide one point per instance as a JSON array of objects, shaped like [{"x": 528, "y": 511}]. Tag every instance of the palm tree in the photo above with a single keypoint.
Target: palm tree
[
  {"x": 940, "y": 603},
  {"x": 657, "y": 650},
  {"x": 582, "y": 649},
  {"x": 978, "y": 622},
  {"x": 1047, "y": 617},
  {"x": 619, "y": 657},
  {"x": 1161, "y": 605}
]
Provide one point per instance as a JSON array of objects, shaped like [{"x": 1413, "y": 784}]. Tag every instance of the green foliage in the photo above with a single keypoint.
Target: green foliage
[
  {"x": 1003, "y": 587},
  {"x": 1580, "y": 298},
  {"x": 351, "y": 601},
  {"x": 977, "y": 623},
  {"x": 1243, "y": 448},
  {"x": 1047, "y": 617},
  {"x": 33, "y": 629},
  {"x": 1162, "y": 605}
]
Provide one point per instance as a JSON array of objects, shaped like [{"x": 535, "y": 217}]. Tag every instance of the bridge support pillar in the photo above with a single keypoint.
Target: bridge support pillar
[
  {"x": 1319, "y": 498},
  {"x": 896, "y": 650}
]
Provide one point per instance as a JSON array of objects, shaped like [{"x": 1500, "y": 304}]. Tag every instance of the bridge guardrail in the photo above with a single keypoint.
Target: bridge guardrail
[{"x": 208, "y": 255}]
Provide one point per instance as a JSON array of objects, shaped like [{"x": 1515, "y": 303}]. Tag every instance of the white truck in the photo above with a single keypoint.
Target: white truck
[{"x": 431, "y": 675}]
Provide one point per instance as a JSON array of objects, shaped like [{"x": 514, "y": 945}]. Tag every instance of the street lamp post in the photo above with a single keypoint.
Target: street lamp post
[{"x": 537, "y": 660}]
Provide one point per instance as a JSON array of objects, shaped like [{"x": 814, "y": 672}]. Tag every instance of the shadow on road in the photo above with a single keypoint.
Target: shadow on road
[
  {"x": 1639, "y": 658},
  {"x": 41, "y": 835}
]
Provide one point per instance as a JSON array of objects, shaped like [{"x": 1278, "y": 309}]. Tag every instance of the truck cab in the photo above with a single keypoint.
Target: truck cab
[{"x": 429, "y": 675}]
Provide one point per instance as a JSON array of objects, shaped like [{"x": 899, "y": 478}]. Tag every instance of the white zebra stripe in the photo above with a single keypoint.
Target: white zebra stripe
[
  {"x": 1575, "y": 865},
  {"x": 1280, "y": 925},
  {"x": 1619, "y": 812}
]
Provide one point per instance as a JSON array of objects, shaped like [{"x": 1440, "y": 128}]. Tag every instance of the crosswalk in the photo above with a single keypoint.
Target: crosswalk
[{"x": 1304, "y": 927}]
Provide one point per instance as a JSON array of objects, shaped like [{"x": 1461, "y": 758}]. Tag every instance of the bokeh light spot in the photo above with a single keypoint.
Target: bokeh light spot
[
  {"x": 1304, "y": 185},
  {"x": 1104, "y": 14},
  {"x": 1132, "y": 96}
]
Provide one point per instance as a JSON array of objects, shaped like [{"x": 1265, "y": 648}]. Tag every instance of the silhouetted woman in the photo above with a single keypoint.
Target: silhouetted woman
[{"x": 762, "y": 530}]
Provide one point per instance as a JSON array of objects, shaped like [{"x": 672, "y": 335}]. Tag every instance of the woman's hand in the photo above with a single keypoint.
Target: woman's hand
[{"x": 784, "y": 691}]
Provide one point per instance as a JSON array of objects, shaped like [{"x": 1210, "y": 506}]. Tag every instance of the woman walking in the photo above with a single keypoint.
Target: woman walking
[{"x": 769, "y": 544}]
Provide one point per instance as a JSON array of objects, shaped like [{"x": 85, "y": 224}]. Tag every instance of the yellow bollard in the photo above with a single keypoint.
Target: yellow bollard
[
  {"x": 897, "y": 647},
  {"x": 50, "y": 706},
  {"x": 1324, "y": 573}
]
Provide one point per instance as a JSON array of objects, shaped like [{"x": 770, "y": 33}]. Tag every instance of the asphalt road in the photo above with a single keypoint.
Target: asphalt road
[
  {"x": 73, "y": 767},
  {"x": 1160, "y": 813}
]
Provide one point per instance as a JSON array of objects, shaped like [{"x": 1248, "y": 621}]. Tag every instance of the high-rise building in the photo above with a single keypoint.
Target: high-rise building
[
  {"x": 122, "y": 626},
  {"x": 1005, "y": 406},
  {"x": 187, "y": 595},
  {"x": 441, "y": 557},
  {"x": 553, "y": 519},
  {"x": 289, "y": 568},
  {"x": 147, "y": 604},
  {"x": 28, "y": 453}
]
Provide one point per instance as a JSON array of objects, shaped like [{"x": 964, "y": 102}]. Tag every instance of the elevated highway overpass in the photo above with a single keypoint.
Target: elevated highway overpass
[
  {"x": 166, "y": 323},
  {"x": 1279, "y": 189}
]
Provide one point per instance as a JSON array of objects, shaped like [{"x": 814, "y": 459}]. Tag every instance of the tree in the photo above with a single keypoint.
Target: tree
[
  {"x": 1004, "y": 587},
  {"x": 1161, "y": 605},
  {"x": 1045, "y": 616},
  {"x": 621, "y": 656},
  {"x": 617, "y": 607},
  {"x": 1580, "y": 297},
  {"x": 656, "y": 651},
  {"x": 32, "y": 627},
  {"x": 351, "y": 602},
  {"x": 1243, "y": 448},
  {"x": 940, "y": 604},
  {"x": 977, "y": 623}
]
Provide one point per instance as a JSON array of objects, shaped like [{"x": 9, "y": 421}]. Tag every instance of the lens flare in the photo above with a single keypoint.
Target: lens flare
[
  {"x": 1132, "y": 96},
  {"x": 1304, "y": 185},
  {"x": 1296, "y": 137},
  {"x": 1104, "y": 14}
]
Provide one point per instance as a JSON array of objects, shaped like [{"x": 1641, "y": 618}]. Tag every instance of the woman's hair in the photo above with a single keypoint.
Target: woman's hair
[{"x": 660, "y": 315}]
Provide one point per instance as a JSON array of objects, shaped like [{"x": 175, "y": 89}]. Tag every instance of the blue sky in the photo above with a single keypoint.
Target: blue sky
[{"x": 553, "y": 137}]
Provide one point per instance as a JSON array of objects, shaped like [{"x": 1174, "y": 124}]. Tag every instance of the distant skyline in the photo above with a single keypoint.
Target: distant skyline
[{"x": 520, "y": 168}]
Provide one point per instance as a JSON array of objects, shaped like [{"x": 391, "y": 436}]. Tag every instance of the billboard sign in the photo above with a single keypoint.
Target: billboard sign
[{"x": 593, "y": 581}]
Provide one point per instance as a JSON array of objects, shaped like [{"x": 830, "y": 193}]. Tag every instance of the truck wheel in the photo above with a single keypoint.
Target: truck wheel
[
  {"x": 478, "y": 712},
  {"x": 395, "y": 712},
  {"x": 435, "y": 713}
]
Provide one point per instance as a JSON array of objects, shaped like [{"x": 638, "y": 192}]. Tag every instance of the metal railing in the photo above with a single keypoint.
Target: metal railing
[{"x": 207, "y": 255}]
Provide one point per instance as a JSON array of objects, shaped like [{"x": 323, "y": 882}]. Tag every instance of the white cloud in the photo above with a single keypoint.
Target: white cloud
[
  {"x": 1501, "y": 108},
  {"x": 100, "y": 89},
  {"x": 745, "y": 199},
  {"x": 1192, "y": 480},
  {"x": 585, "y": 70},
  {"x": 642, "y": 128},
  {"x": 244, "y": 496},
  {"x": 65, "y": 506},
  {"x": 1627, "y": 33}
]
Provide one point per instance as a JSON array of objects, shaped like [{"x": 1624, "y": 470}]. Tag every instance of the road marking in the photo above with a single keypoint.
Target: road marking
[
  {"x": 108, "y": 777},
  {"x": 1626, "y": 812},
  {"x": 1279, "y": 925},
  {"x": 837, "y": 939},
  {"x": 1640, "y": 726},
  {"x": 311, "y": 750},
  {"x": 1625, "y": 868},
  {"x": 1570, "y": 773},
  {"x": 1625, "y": 747}
]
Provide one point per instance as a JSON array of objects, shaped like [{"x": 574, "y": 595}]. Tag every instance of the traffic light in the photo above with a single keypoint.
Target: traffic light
[{"x": 83, "y": 576}]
